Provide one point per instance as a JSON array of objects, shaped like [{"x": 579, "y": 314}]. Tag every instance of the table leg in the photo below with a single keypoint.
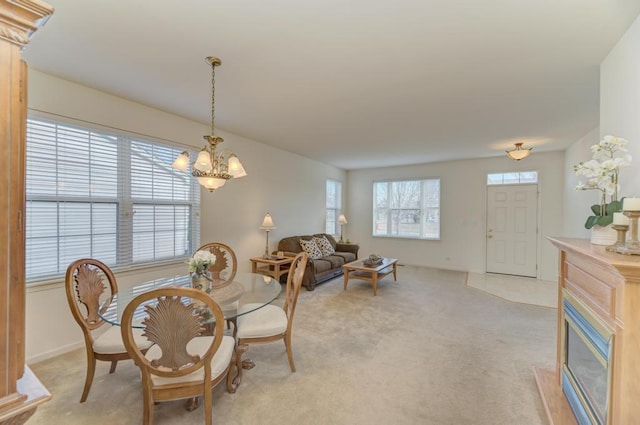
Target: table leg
[
  {"x": 346, "y": 278},
  {"x": 233, "y": 381},
  {"x": 254, "y": 267},
  {"x": 374, "y": 278},
  {"x": 394, "y": 272}
]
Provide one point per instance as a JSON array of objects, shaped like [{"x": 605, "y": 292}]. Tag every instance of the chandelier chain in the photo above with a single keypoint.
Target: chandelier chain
[{"x": 213, "y": 96}]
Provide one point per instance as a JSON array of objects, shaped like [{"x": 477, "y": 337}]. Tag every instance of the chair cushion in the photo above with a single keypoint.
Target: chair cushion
[
  {"x": 335, "y": 260},
  {"x": 110, "y": 342},
  {"x": 325, "y": 246},
  {"x": 322, "y": 265},
  {"x": 348, "y": 256},
  {"x": 266, "y": 321},
  {"x": 219, "y": 363},
  {"x": 311, "y": 248}
]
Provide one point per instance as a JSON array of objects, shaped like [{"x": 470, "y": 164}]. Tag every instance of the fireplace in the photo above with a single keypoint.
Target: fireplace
[{"x": 586, "y": 362}]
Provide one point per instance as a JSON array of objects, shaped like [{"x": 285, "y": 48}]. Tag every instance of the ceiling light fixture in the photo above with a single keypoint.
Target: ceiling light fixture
[
  {"x": 212, "y": 169},
  {"x": 518, "y": 153}
]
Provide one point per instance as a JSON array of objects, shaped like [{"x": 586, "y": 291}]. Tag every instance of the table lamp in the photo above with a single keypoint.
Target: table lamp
[
  {"x": 342, "y": 220},
  {"x": 267, "y": 224}
]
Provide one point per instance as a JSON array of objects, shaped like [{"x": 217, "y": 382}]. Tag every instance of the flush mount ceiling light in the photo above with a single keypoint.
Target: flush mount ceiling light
[
  {"x": 518, "y": 153},
  {"x": 212, "y": 169}
]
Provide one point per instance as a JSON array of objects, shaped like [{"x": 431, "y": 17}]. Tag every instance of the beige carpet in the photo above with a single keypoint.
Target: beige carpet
[{"x": 427, "y": 350}]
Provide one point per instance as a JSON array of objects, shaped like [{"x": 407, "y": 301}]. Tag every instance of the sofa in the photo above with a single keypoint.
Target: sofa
[{"x": 324, "y": 268}]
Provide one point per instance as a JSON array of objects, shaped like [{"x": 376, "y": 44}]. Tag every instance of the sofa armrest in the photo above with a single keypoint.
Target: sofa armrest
[{"x": 348, "y": 247}]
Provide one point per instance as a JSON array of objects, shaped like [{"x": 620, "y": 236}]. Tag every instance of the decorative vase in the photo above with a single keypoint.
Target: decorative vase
[
  {"x": 201, "y": 281},
  {"x": 603, "y": 235}
]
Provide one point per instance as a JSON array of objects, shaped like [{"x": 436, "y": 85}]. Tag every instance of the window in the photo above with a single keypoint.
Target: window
[
  {"x": 407, "y": 209},
  {"x": 92, "y": 193},
  {"x": 334, "y": 206},
  {"x": 522, "y": 177}
]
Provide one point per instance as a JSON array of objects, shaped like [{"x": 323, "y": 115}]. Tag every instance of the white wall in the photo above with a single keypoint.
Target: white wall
[
  {"x": 292, "y": 188},
  {"x": 619, "y": 116},
  {"x": 463, "y": 211},
  {"x": 620, "y": 101},
  {"x": 577, "y": 203}
]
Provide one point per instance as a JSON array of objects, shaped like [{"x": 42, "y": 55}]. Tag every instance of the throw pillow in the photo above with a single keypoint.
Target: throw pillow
[
  {"x": 325, "y": 246},
  {"x": 311, "y": 248}
]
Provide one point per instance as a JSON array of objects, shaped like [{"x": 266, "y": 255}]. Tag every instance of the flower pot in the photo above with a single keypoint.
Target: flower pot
[
  {"x": 603, "y": 235},
  {"x": 201, "y": 281}
]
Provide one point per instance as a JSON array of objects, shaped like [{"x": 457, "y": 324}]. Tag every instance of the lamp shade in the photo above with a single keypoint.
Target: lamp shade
[
  {"x": 203, "y": 162},
  {"x": 182, "y": 162},
  {"x": 518, "y": 153},
  {"x": 342, "y": 219},
  {"x": 211, "y": 183},
  {"x": 267, "y": 223},
  {"x": 235, "y": 167}
]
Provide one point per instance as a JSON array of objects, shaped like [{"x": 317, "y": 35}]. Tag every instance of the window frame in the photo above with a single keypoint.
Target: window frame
[
  {"x": 333, "y": 210},
  {"x": 121, "y": 255},
  {"x": 424, "y": 214}
]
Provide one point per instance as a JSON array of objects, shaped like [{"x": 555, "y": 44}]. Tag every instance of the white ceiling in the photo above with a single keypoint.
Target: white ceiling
[{"x": 353, "y": 83}]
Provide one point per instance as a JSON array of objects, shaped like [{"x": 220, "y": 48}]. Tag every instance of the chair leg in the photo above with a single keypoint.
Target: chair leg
[
  {"x": 147, "y": 408},
  {"x": 114, "y": 363},
  {"x": 287, "y": 343},
  {"x": 91, "y": 370},
  {"x": 208, "y": 402}
]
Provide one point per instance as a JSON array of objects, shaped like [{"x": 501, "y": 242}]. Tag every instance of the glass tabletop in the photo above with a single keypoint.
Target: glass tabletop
[{"x": 246, "y": 288}]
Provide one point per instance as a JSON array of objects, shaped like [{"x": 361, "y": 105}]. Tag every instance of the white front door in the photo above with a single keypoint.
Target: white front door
[{"x": 512, "y": 229}]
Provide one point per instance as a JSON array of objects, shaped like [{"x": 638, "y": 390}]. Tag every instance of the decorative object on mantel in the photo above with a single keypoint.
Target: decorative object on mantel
[
  {"x": 211, "y": 168},
  {"x": 631, "y": 207},
  {"x": 267, "y": 225},
  {"x": 620, "y": 225},
  {"x": 342, "y": 220},
  {"x": 518, "y": 152},
  {"x": 602, "y": 173},
  {"x": 199, "y": 268}
]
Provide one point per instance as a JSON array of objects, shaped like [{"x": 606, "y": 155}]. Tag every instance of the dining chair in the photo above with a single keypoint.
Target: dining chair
[
  {"x": 271, "y": 322},
  {"x": 224, "y": 269},
  {"x": 85, "y": 288},
  {"x": 182, "y": 363}
]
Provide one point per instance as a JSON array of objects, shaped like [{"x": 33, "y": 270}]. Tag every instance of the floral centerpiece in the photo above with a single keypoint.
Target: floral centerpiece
[
  {"x": 601, "y": 173},
  {"x": 201, "y": 261}
]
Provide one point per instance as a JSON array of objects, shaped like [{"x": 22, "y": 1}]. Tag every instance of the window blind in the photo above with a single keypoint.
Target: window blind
[{"x": 92, "y": 193}]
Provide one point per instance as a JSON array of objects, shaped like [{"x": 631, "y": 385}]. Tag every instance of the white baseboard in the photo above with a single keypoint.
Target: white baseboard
[{"x": 53, "y": 353}]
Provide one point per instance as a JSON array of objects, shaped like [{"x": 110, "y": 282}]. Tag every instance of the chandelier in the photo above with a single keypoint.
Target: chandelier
[
  {"x": 212, "y": 168},
  {"x": 519, "y": 152}
]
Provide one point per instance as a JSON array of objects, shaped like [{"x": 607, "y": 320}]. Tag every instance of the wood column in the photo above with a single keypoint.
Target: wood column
[{"x": 20, "y": 391}]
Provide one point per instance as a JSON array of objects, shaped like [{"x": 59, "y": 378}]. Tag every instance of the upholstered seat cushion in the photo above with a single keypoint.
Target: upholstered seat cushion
[
  {"x": 347, "y": 256},
  {"x": 110, "y": 342},
  {"x": 266, "y": 321},
  {"x": 321, "y": 265},
  {"x": 335, "y": 260},
  {"x": 219, "y": 363}
]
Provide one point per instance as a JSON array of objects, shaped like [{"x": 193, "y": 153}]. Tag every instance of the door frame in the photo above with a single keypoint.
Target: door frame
[{"x": 537, "y": 218}]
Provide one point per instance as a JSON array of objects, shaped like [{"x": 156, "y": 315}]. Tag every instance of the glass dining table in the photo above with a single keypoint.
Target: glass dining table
[{"x": 246, "y": 288}]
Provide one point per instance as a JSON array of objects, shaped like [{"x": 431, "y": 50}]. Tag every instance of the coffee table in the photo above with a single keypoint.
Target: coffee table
[{"x": 373, "y": 273}]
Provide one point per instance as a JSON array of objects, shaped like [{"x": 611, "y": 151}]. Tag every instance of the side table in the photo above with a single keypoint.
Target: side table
[{"x": 274, "y": 267}]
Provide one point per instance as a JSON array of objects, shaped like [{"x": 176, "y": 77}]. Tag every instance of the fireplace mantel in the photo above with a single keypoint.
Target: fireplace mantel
[{"x": 608, "y": 284}]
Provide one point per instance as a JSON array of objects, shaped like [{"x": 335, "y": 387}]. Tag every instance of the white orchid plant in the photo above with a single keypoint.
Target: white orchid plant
[
  {"x": 601, "y": 173},
  {"x": 201, "y": 261}
]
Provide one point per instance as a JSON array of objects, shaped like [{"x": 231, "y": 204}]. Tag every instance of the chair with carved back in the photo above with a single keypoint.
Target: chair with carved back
[
  {"x": 224, "y": 269},
  {"x": 272, "y": 322},
  {"x": 88, "y": 296},
  {"x": 182, "y": 363}
]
